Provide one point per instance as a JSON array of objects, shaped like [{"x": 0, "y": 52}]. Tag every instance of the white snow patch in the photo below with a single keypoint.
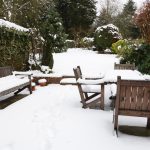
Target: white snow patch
[{"x": 8, "y": 24}]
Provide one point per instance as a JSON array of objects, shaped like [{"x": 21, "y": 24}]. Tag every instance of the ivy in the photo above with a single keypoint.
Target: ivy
[{"x": 14, "y": 49}]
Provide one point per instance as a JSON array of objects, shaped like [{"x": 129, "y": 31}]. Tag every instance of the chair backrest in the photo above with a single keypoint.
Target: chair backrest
[
  {"x": 124, "y": 66},
  {"x": 133, "y": 98},
  {"x": 77, "y": 72},
  {"x": 5, "y": 71}
]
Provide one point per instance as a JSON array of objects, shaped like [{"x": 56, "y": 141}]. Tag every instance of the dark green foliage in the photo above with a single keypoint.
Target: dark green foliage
[
  {"x": 77, "y": 15},
  {"x": 14, "y": 48},
  {"x": 47, "y": 59},
  {"x": 24, "y": 13},
  {"x": 70, "y": 43},
  {"x": 142, "y": 60},
  {"x": 51, "y": 30},
  {"x": 105, "y": 36}
]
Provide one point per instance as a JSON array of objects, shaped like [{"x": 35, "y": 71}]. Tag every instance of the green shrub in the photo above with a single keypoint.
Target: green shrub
[
  {"x": 86, "y": 42},
  {"x": 70, "y": 43},
  {"x": 142, "y": 60},
  {"x": 116, "y": 47},
  {"x": 105, "y": 36},
  {"x": 14, "y": 48},
  {"x": 134, "y": 52}
]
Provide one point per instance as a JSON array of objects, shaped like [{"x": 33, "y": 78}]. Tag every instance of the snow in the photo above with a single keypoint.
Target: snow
[
  {"x": 87, "y": 39},
  {"x": 11, "y": 81},
  {"x": 88, "y": 60},
  {"x": 8, "y": 24},
  {"x": 42, "y": 81},
  {"x": 68, "y": 80},
  {"x": 52, "y": 118},
  {"x": 111, "y": 76},
  {"x": 92, "y": 82}
]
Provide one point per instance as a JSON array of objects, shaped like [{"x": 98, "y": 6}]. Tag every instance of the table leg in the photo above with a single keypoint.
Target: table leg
[{"x": 148, "y": 123}]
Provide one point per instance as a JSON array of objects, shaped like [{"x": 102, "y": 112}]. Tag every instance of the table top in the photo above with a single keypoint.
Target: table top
[{"x": 111, "y": 76}]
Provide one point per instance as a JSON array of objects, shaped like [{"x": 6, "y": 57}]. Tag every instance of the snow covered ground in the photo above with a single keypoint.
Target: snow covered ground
[{"x": 52, "y": 118}]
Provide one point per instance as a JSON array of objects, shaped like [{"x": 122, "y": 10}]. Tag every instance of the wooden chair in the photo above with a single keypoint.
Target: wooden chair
[
  {"x": 124, "y": 66},
  {"x": 132, "y": 99},
  {"x": 91, "y": 91}
]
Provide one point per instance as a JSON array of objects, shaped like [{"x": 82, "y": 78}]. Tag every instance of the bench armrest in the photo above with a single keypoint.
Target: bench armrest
[{"x": 20, "y": 73}]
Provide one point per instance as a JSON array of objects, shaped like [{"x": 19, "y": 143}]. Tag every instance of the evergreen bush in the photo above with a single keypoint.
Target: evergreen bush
[
  {"x": 105, "y": 36},
  {"x": 134, "y": 52},
  {"x": 86, "y": 42},
  {"x": 70, "y": 43},
  {"x": 14, "y": 48}
]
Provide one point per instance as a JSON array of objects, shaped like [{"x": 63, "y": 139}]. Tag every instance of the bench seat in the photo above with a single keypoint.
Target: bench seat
[{"x": 12, "y": 83}]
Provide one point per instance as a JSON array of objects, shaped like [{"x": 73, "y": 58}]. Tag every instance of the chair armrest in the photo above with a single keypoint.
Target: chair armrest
[{"x": 90, "y": 82}]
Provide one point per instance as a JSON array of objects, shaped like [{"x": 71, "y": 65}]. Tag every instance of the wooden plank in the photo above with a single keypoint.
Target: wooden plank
[
  {"x": 145, "y": 99},
  {"x": 135, "y": 83},
  {"x": 122, "y": 97},
  {"x": 128, "y": 97},
  {"x": 134, "y": 97},
  {"x": 124, "y": 66},
  {"x": 148, "y": 96},
  {"x": 140, "y": 95},
  {"x": 134, "y": 113}
]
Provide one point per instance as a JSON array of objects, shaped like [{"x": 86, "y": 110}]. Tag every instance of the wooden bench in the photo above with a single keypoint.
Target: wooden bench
[
  {"x": 124, "y": 66},
  {"x": 13, "y": 83},
  {"x": 132, "y": 99}
]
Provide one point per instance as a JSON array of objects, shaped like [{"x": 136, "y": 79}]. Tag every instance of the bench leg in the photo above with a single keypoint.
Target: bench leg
[
  {"x": 30, "y": 89},
  {"x": 115, "y": 118},
  {"x": 148, "y": 123},
  {"x": 19, "y": 90}
]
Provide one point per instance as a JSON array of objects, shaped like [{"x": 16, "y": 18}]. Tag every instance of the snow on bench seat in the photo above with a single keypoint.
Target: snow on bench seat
[{"x": 11, "y": 83}]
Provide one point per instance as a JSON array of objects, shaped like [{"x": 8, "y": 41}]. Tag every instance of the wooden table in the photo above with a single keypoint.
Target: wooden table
[{"x": 111, "y": 76}]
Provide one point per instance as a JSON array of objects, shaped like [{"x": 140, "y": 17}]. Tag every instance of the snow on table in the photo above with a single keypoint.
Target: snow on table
[{"x": 111, "y": 76}]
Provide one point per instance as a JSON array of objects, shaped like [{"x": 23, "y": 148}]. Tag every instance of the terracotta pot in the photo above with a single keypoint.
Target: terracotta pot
[
  {"x": 33, "y": 88},
  {"x": 42, "y": 83}
]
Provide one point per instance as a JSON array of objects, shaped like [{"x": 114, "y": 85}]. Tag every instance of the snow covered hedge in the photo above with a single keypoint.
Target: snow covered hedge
[
  {"x": 105, "y": 36},
  {"x": 14, "y": 45}
]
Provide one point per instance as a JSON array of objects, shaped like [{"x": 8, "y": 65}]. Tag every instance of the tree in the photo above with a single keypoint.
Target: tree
[
  {"x": 24, "y": 13},
  {"x": 77, "y": 16},
  {"x": 125, "y": 21},
  {"x": 142, "y": 19},
  {"x": 107, "y": 13},
  {"x": 51, "y": 29}
]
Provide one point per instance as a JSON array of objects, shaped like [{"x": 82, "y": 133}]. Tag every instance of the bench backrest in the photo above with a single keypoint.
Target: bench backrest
[
  {"x": 5, "y": 71},
  {"x": 133, "y": 98},
  {"x": 124, "y": 66}
]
